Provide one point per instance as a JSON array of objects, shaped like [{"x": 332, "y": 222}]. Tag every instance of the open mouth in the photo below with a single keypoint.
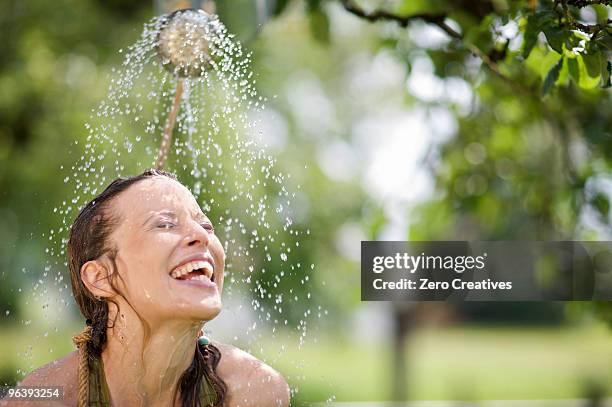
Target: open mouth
[{"x": 202, "y": 270}]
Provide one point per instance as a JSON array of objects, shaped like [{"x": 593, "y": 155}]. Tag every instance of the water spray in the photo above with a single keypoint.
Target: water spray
[{"x": 183, "y": 46}]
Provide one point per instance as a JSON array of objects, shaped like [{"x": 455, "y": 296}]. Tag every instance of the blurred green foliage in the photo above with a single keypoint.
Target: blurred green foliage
[
  {"x": 53, "y": 60},
  {"x": 521, "y": 166},
  {"x": 530, "y": 158}
]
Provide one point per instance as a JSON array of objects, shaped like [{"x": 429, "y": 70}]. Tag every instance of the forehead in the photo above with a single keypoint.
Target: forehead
[{"x": 153, "y": 195}]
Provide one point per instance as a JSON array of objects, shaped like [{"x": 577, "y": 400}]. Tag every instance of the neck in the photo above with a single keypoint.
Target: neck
[{"x": 143, "y": 364}]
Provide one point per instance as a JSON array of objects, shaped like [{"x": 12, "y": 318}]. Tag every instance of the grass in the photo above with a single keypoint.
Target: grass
[{"x": 459, "y": 363}]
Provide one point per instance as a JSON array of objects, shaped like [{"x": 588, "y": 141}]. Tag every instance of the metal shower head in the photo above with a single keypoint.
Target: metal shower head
[{"x": 183, "y": 42}]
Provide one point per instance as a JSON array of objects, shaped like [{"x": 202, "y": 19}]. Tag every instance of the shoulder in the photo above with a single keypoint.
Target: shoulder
[
  {"x": 61, "y": 372},
  {"x": 250, "y": 381}
]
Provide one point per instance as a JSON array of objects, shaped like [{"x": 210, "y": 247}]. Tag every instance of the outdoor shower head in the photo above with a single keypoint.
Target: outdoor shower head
[{"x": 183, "y": 42}]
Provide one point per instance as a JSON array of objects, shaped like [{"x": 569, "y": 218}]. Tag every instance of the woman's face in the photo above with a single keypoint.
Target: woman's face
[{"x": 166, "y": 253}]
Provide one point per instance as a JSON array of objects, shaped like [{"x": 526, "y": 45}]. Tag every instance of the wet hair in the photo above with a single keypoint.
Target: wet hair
[{"x": 89, "y": 240}]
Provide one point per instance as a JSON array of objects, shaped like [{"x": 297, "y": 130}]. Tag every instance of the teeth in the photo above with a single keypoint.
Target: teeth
[
  {"x": 200, "y": 277},
  {"x": 208, "y": 269},
  {"x": 191, "y": 266}
]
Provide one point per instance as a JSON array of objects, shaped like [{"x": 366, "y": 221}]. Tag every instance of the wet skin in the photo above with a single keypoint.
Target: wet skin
[{"x": 158, "y": 317}]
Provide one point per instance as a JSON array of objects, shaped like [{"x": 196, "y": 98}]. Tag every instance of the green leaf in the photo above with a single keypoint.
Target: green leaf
[
  {"x": 552, "y": 76},
  {"x": 601, "y": 11},
  {"x": 592, "y": 62},
  {"x": 532, "y": 29},
  {"x": 585, "y": 70},
  {"x": 555, "y": 36},
  {"x": 319, "y": 25},
  {"x": 541, "y": 61},
  {"x": 537, "y": 22},
  {"x": 564, "y": 75},
  {"x": 592, "y": 68}
]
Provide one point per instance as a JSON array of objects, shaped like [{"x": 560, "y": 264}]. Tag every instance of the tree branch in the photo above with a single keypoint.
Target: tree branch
[
  {"x": 571, "y": 21},
  {"x": 585, "y": 3},
  {"x": 593, "y": 28},
  {"x": 403, "y": 21},
  {"x": 438, "y": 20}
]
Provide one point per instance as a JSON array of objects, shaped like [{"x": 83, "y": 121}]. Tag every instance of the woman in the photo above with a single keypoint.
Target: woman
[{"x": 146, "y": 271}]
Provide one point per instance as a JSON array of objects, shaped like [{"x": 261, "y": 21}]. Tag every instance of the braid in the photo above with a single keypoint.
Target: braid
[
  {"x": 99, "y": 324},
  {"x": 81, "y": 341},
  {"x": 200, "y": 385},
  {"x": 89, "y": 343}
]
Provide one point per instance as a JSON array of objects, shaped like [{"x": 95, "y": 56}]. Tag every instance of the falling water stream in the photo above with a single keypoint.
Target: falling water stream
[{"x": 194, "y": 117}]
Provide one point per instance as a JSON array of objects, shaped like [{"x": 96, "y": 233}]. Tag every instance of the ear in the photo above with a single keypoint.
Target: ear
[{"x": 95, "y": 275}]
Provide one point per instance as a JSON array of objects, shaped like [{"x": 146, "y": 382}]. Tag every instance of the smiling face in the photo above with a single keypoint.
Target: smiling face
[{"x": 166, "y": 253}]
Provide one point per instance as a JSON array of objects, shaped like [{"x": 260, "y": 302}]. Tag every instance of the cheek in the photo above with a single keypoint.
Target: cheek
[
  {"x": 219, "y": 256},
  {"x": 148, "y": 255},
  {"x": 154, "y": 244}
]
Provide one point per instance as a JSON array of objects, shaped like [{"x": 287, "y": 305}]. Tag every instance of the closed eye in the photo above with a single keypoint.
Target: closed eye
[
  {"x": 208, "y": 226},
  {"x": 166, "y": 225}
]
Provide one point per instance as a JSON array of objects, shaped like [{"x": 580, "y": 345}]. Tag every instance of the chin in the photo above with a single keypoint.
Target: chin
[{"x": 208, "y": 310}]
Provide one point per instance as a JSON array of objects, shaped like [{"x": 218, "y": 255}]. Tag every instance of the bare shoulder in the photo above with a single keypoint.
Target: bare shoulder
[
  {"x": 251, "y": 382},
  {"x": 61, "y": 372}
]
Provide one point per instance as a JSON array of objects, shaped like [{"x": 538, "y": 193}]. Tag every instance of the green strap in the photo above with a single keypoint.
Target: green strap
[
  {"x": 99, "y": 396},
  {"x": 208, "y": 395}
]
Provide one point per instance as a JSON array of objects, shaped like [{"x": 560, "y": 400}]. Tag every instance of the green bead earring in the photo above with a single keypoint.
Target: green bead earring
[{"x": 203, "y": 340}]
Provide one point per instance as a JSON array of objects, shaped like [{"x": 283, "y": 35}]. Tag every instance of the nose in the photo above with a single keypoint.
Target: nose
[{"x": 197, "y": 235}]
